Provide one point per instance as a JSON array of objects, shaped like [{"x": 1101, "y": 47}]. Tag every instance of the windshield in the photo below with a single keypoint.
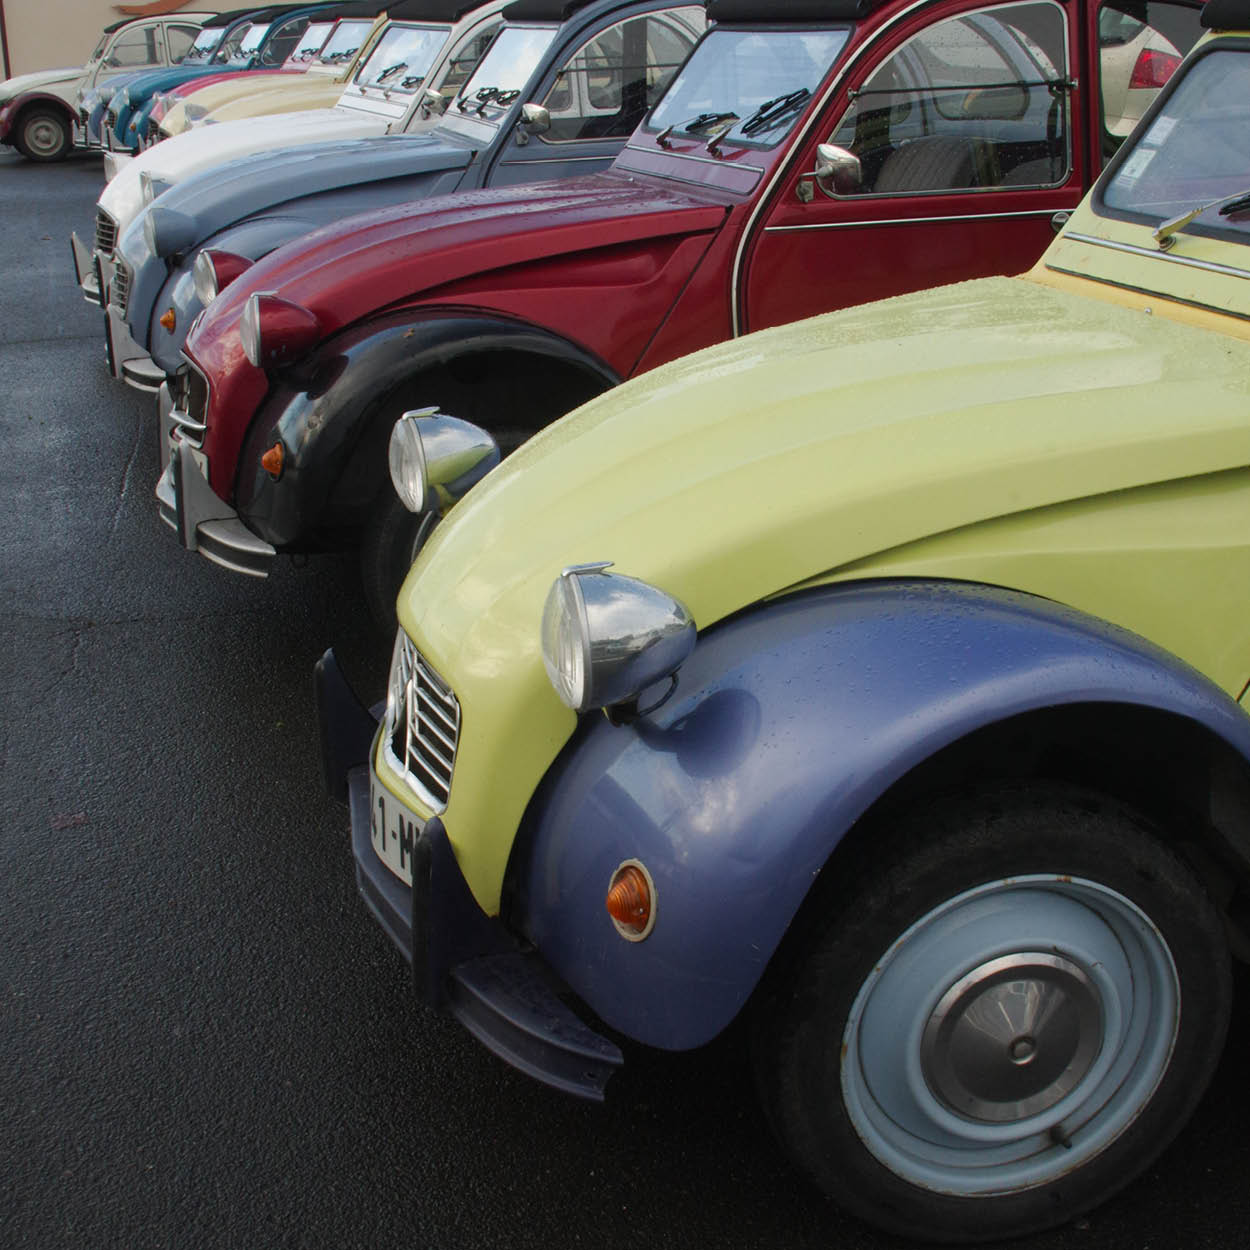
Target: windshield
[
  {"x": 310, "y": 43},
  {"x": 502, "y": 73},
  {"x": 402, "y": 58},
  {"x": 344, "y": 43},
  {"x": 230, "y": 44},
  {"x": 249, "y": 44},
  {"x": 752, "y": 83},
  {"x": 203, "y": 46},
  {"x": 1195, "y": 152}
]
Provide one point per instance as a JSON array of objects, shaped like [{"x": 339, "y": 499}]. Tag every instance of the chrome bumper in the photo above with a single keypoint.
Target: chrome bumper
[
  {"x": 187, "y": 504},
  {"x": 86, "y": 271},
  {"x": 127, "y": 360}
]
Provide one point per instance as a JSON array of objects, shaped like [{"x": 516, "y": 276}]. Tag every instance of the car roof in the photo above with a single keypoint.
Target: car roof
[
  {"x": 1226, "y": 15},
  {"x": 805, "y": 11}
]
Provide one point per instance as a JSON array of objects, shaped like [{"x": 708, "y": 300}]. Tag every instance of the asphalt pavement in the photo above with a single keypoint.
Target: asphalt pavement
[{"x": 204, "y": 1039}]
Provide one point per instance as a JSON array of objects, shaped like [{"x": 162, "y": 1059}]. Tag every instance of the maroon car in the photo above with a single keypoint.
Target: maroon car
[{"x": 808, "y": 156}]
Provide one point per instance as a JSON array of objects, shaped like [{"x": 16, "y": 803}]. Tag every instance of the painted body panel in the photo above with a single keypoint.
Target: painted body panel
[
  {"x": 727, "y": 793},
  {"x": 1045, "y": 435}
]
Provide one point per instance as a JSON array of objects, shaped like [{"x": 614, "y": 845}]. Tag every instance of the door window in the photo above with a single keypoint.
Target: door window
[
  {"x": 975, "y": 101},
  {"x": 135, "y": 48},
  {"x": 181, "y": 39},
  {"x": 1140, "y": 44},
  {"x": 607, "y": 87}
]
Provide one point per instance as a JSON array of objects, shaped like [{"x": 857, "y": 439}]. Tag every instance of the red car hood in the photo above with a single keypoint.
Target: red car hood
[{"x": 365, "y": 263}]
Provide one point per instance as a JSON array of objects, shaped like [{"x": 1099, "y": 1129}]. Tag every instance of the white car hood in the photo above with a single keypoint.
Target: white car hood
[
  {"x": 12, "y": 87},
  {"x": 195, "y": 150}
]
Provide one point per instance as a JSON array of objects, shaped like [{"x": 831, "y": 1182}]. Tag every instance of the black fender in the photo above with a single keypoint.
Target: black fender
[
  {"x": 333, "y": 413},
  {"x": 788, "y": 724}
]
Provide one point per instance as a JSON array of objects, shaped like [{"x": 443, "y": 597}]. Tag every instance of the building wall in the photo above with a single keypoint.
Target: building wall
[{"x": 45, "y": 34}]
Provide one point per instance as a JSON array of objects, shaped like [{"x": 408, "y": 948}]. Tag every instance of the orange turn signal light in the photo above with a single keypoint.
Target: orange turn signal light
[
  {"x": 273, "y": 460},
  {"x": 631, "y": 901},
  {"x": 168, "y": 320}
]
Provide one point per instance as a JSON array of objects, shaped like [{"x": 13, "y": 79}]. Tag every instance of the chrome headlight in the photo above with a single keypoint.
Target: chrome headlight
[
  {"x": 434, "y": 458},
  {"x": 204, "y": 274},
  {"x": 151, "y": 187},
  {"x": 166, "y": 231},
  {"x": 607, "y": 637},
  {"x": 120, "y": 100}
]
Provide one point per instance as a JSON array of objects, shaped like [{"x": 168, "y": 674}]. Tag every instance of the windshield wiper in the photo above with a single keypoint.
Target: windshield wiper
[
  {"x": 1165, "y": 234},
  {"x": 772, "y": 111},
  {"x": 389, "y": 72},
  {"x": 704, "y": 120},
  {"x": 488, "y": 95}
]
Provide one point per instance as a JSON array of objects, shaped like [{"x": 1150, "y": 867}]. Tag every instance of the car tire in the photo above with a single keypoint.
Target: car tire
[
  {"x": 390, "y": 544},
  {"x": 42, "y": 135},
  {"x": 903, "y": 1046}
]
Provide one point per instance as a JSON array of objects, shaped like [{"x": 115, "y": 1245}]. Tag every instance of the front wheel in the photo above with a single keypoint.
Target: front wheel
[
  {"x": 1005, "y": 1014},
  {"x": 42, "y": 135},
  {"x": 391, "y": 542}
]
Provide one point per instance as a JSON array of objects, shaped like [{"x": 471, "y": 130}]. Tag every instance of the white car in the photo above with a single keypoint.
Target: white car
[{"x": 37, "y": 111}]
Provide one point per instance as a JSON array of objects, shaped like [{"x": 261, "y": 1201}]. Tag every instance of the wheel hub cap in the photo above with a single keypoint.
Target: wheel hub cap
[{"x": 1012, "y": 1037}]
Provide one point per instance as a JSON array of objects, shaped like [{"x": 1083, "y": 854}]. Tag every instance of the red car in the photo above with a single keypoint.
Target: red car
[{"x": 807, "y": 157}]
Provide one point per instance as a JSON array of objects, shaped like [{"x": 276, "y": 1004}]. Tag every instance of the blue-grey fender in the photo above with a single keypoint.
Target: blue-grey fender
[
  {"x": 252, "y": 205},
  {"x": 788, "y": 723},
  {"x": 320, "y": 411}
]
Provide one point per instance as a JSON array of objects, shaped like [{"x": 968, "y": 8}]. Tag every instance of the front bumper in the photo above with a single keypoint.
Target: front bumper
[
  {"x": 87, "y": 271},
  {"x": 126, "y": 359},
  {"x": 188, "y": 505},
  {"x": 462, "y": 960}
]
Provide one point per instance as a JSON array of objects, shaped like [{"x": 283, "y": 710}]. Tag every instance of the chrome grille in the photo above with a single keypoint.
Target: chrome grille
[
  {"x": 154, "y": 130},
  {"x": 189, "y": 393},
  {"x": 422, "y": 725},
  {"x": 119, "y": 291},
  {"x": 83, "y": 118},
  {"x": 105, "y": 233},
  {"x": 110, "y": 119}
]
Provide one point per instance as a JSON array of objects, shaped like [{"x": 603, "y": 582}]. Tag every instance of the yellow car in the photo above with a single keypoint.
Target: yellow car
[{"x": 881, "y": 678}]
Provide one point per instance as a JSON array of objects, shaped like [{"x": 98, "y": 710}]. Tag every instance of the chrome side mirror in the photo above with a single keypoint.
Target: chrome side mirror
[
  {"x": 434, "y": 103},
  {"x": 837, "y": 172},
  {"x": 535, "y": 119}
]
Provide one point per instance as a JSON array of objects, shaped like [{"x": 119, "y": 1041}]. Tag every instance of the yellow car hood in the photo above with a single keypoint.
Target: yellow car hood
[{"x": 785, "y": 457}]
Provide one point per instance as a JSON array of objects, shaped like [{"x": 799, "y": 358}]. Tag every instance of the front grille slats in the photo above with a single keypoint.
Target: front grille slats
[
  {"x": 119, "y": 292},
  {"x": 422, "y": 725},
  {"x": 105, "y": 233}
]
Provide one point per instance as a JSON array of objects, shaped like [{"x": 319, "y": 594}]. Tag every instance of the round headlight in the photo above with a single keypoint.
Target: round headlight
[
  {"x": 204, "y": 275},
  {"x": 249, "y": 330},
  {"x": 607, "y": 637},
  {"x": 407, "y": 461},
  {"x": 435, "y": 458}
]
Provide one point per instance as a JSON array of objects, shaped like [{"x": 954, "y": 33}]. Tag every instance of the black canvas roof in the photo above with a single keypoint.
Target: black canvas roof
[
  {"x": 806, "y": 11},
  {"x": 543, "y": 10},
  {"x": 1226, "y": 14}
]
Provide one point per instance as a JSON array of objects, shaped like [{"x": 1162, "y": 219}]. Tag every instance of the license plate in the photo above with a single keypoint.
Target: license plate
[{"x": 393, "y": 830}]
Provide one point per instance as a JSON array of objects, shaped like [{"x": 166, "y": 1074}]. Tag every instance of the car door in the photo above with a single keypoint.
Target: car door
[
  {"x": 962, "y": 129},
  {"x": 596, "y": 97}
]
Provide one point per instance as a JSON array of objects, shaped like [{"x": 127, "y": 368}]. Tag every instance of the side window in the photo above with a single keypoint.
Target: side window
[
  {"x": 135, "y": 48},
  {"x": 180, "y": 39},
  {"x": 464, "y": 59},
  {"x": 281, "y": 42},
  {"x": 1140, "y": 44},
  {"x": 974, "y": 101},
  {"x": 605, "y": 89}
]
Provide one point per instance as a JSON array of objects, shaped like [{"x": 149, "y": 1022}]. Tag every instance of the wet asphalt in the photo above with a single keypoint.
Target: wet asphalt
[{"x": 204, "y": 1040}]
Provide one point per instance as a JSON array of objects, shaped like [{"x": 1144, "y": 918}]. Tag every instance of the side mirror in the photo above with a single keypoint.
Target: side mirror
[
  {"x": 534, "y": 120},
  {"x": 837, "y": 172},
  {"x": 434, "y": 103}
]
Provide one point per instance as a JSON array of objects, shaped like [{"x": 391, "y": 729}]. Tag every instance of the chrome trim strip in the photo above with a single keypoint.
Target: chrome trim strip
[
  {"x": 1156, "y": 254},
  {"x": 735, "y": 284},
  {"x": 1149, "y": 292},
  {"x": 906, "y": 221},
  {"x": 690, "y": 156}
]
